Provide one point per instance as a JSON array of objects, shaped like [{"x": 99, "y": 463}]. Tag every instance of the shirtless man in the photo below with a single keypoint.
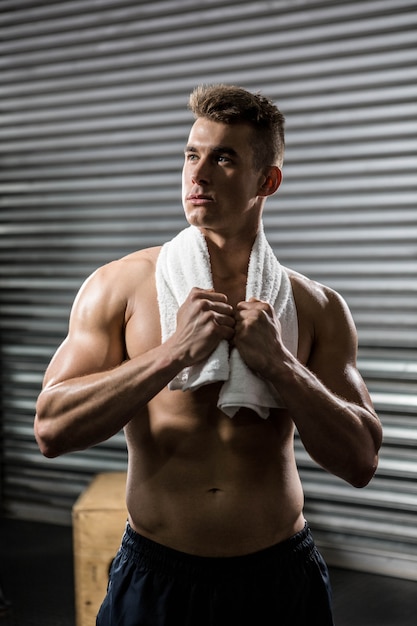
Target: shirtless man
[{"x": 216, "y": 533}]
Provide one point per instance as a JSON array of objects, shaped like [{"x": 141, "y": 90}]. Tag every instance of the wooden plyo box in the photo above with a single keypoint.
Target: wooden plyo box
[{"x": 98, "y": 520}]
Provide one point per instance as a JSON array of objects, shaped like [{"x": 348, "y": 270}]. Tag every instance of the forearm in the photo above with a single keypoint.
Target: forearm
[
  {"x": 342, "y": 436},
  {"x": 78, "y": 413}
]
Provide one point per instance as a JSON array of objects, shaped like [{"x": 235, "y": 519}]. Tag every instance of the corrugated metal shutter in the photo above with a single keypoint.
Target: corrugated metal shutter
[{"x": 94, "y": 119}]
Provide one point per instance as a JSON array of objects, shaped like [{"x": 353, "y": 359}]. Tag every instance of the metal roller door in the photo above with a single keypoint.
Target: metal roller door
[{"x": 93, "y": 123}]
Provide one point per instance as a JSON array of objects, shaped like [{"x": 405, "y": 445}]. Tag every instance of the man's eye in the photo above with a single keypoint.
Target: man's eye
[{"x": 223, "y": 159}]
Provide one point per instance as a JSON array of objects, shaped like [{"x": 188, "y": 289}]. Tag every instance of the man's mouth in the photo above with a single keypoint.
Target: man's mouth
[{"x": 199, "y": 198}]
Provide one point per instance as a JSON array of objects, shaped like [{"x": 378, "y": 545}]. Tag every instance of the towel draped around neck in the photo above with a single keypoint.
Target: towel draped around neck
[{"x": 184, "y": 263}]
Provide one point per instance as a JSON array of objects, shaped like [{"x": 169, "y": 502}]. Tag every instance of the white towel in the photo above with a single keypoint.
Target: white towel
[{"x": 183, "y": 263}]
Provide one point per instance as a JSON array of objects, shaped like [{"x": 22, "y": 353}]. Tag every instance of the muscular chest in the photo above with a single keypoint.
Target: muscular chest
[{"x": 142, "y": 325}]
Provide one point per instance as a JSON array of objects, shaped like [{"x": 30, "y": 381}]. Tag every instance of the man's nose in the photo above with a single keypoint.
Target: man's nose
[{"x": 200, "y": 173}]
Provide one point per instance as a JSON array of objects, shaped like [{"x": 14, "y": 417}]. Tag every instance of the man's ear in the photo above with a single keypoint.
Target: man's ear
[{"x": 271, "y": 180}]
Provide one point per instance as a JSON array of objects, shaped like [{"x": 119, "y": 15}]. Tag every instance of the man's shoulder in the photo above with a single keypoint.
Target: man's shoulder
[
  {"x": 118, "y": 280},
  {"x": 310, "y": 292},
  {"x": 141, "y": 257},
  {"x": 140, "y": 262},
  {"x": 324, "y": 316}
]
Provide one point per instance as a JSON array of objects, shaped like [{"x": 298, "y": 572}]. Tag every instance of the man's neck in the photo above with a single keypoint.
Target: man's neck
[{"x": 229, "y": 258}]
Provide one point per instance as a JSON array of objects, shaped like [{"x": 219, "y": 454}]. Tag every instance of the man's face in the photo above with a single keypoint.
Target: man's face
[{"x": 219, "y": 184}]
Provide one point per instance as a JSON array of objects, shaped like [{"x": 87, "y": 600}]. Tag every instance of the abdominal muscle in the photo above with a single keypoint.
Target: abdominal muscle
[{"x": 205, "y": 484}]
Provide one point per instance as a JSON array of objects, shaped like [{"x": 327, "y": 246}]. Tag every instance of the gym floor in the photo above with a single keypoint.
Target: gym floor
[{"x": 36, "y": 577}]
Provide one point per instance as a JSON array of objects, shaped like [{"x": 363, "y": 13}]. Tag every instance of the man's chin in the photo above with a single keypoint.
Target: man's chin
[{"x": 199, "y": 218}]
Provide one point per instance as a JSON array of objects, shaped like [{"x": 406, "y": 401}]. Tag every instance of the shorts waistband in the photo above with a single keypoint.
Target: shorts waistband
[{"x": 150, "y": 554}]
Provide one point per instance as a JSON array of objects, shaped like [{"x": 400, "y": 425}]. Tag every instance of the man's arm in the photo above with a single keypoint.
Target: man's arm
[
  {"x": 91, "y": 390},
  {"x": 326, "y": 397}
]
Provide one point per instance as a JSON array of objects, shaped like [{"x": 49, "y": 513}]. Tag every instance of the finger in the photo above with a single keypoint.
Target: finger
[
  {"x": 217, "y": 306},
  {"x": 225, "y": 320},
  {"x": 255, "y": 306},
  {"x": 209, "y": 294},
  {"x": 249, "y": 304}
]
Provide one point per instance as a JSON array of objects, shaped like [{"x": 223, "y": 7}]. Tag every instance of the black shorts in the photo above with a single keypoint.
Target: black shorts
[{"x": 151, "y": 585}]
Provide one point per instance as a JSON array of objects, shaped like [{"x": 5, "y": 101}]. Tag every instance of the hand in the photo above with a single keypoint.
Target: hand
[
  {"x": 257, "y": 335},
  {"x": 203, "y": 320}
]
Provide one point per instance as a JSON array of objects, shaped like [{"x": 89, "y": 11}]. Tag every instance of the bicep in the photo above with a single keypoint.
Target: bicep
[
  {"x": 95, "y": 339},
  {"x": 82, "y": 354}
]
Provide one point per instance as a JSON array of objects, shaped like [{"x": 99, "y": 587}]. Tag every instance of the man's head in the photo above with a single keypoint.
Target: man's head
[{"x": 228, "y": 104}]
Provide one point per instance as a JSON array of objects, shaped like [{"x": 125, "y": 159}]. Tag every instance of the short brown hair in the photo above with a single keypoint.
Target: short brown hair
[{"x": 228, "y": 104}]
